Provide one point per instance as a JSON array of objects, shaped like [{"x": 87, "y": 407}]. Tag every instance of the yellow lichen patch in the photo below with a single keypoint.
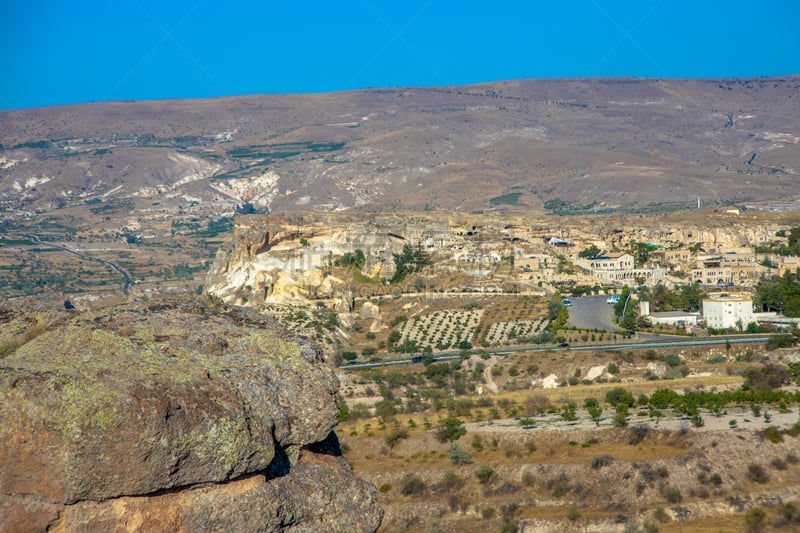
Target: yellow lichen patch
[
  {"x": 85, "y": 406},
  {"x": 267, "y": 344}
]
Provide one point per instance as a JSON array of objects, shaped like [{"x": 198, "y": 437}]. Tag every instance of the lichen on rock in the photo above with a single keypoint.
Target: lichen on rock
[{"x": 129, "y": 407}]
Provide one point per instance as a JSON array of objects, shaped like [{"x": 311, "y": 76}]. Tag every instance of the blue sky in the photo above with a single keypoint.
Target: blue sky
[{"x": 58, "y": 52}]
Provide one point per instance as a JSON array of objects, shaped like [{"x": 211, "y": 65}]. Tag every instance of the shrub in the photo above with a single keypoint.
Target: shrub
[
  {"x": 528, "y": 479},
  {"x": 601, "y": 461},
  {"x": 573, "y": 513},
  {"x": 769, "y": 376},
  {"x": 394, "y": 437},
  {"x": 477, "y": 443},
  {"x": 509, "y": 526},
  {"x": 450, "y": 482},
  {"x": 386, "y": 487},
  {"x": 780, "y": 340},
  {"x": 412, "y": 485},
  {"x": 789, "y": 514},
  {"x": 757, "y": 473},
  {"x": 485, "y": 474},
  {"x": 509, "y": 510},
  {"x": 638, "y": 433},
  {"x": 755, "y": 520},
  {"x": 672, "y": 359},
  {"x": 671, "y": 493},
  {"x": 778, "y": 464},
  {"x": 7, "y": 348},
  {"x": 487, "y": 513},
  {"x": 458, "y": 455},
  {"x": 661, "y": 515},
  {"x": 772, "y": 434}
]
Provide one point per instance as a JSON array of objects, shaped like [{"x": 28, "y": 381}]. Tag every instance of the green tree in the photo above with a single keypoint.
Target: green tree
[
  {"x": 640, "y": 252},
  {"x": 451, "y": 430},
  {"x": 356, "y": 259},
  {"x": 591, "y": 251},
  {"x": 593, "y": 408},
  {"x": 409, "y": 261},
  {"x": 621, "y": 416},
  {"x": 620, "y": 306},
  {"x": 692, "y": 297},
  {"x": 619, "y": 395},
  {"x": 755, "y": 520},
  {"x": 554, "y": 306},
  {"x": 568, "y": 412}
]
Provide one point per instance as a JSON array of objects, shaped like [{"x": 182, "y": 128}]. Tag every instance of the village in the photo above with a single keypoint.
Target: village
[{"x": 375, "y": 272}]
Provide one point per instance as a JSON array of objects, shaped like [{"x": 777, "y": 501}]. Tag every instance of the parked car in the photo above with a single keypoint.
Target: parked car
[{"x": 613, "y": 299}]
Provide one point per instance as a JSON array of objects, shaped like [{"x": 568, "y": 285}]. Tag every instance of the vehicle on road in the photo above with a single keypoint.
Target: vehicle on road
[{"x": 613, "y": 299}]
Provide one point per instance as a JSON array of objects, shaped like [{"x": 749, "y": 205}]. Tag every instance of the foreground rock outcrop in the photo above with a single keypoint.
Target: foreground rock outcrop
[{"x": 173, "y": 416}]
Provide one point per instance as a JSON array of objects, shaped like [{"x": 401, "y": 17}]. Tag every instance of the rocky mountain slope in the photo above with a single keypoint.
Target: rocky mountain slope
[{"x": 174, "y": 415}]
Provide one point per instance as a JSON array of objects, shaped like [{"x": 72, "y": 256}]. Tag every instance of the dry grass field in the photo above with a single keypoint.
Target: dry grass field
[{"x": 661, "y": 471}]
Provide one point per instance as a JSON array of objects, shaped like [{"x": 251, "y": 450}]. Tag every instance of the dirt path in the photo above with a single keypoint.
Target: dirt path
[{"x": 490, "y": 385}]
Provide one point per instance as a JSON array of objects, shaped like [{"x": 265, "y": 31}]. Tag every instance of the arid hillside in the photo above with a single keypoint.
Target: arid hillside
[
  {"x": 153, "y": 186},
  {"x": 570, "y": 144}
]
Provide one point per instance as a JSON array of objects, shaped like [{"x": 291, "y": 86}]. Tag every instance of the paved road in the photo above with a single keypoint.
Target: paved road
[
  {"x": 127, "y": 281},
  {"x": 591, "y": 312},
  {"x": 661, "y": 342}
]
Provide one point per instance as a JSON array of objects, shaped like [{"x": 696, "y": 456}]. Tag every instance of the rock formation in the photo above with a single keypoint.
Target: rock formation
[
  {"x": 174, "y": 415},
  {"x": 287, "y": 259}
]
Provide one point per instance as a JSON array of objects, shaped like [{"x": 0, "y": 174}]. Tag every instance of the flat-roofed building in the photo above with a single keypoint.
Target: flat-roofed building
[{"x": 729, "y": 310}]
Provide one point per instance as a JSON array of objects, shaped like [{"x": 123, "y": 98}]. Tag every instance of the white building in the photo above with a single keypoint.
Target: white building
[
  {"x": 674, "y": 318},
  {"x": 728, "y": 311}
]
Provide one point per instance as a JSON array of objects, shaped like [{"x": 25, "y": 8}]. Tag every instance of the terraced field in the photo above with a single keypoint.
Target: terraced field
[
  {"x": 514, "y": 331},
  {"x": 442, "y": 329}
]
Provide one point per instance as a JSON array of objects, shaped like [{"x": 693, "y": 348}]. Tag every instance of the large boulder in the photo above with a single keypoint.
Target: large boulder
[
  {"x": 163, "y": 406},
  {"x": 370, "y": 311}
]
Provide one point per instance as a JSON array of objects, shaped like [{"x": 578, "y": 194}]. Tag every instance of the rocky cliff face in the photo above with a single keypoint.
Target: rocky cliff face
[
  {"x": 173, "y": 416},
  {"x": 285, "y": 259}
]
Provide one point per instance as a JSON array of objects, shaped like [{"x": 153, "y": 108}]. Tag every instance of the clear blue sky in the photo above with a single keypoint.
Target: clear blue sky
[{"x": 61, "y": 52}]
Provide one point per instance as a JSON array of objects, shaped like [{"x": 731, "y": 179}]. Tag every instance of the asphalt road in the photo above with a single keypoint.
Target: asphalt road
[
  {"x": 126, "y": 278},
  {"x": 591, "y": 312},
  {"x": 451, "y": 355}
]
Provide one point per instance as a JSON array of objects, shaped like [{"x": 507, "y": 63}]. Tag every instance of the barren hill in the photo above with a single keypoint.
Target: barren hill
[{"x": 597, "y": 144}]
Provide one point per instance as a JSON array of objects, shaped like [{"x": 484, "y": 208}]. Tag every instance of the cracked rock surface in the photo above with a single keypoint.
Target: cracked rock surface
[{"x": 173, "y": 415}]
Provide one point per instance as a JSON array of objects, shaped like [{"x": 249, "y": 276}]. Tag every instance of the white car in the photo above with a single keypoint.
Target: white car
[{"x": 613, "y": 299}]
